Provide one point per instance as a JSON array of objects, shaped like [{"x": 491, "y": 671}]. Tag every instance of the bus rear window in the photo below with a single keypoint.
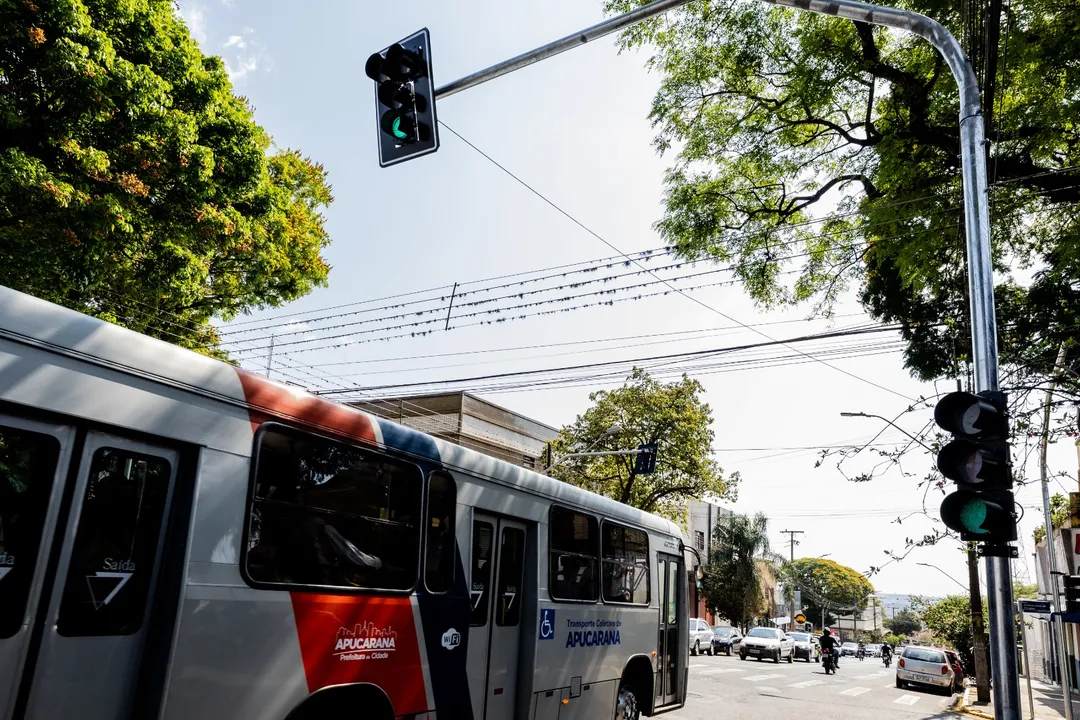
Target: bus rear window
[
  {"x": 572, "y": 570},
  {"x": 332, "y": 515}
]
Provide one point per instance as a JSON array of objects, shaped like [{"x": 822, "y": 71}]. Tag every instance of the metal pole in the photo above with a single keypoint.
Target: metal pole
[
  {"x": 976, "y": 223},
  {"x": 978, "y": 631},
  {"x": 1027, "y": 664},
  {"x": 1057, "y": 638}
]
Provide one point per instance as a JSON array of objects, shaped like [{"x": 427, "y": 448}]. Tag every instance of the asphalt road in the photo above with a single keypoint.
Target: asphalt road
[{"x": 733, "y": 689}]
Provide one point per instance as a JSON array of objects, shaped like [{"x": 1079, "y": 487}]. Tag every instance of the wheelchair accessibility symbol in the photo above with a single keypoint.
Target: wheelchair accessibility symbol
[{"x": 547, "y": 623}]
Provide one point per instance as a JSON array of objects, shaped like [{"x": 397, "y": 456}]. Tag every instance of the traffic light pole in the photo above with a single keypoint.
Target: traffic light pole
[{"x": 976, "y": 224}]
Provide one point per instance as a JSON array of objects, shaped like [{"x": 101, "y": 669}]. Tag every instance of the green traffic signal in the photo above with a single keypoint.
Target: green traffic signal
[
  {"x": 396, "y": 129},
  {"x": 980, "y": 515},
  {"x": 973, "y": 515}
]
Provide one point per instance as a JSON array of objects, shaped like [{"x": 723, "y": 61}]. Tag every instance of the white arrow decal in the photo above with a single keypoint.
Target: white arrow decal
[
  {"x": 476, "y": 595},
  {"x": 4, "y": 571},
  {"x": 123, "y": 577}
]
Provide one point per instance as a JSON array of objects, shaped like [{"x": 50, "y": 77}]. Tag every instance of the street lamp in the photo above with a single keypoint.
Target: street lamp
[
  {"x": 887, "y": 422},
  {"x": 613, "y": 430},
  {"x": 945, "y": 574}
]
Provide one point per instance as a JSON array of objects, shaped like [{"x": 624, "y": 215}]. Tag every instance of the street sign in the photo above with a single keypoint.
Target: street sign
[{"x": 1035, "y": 606}]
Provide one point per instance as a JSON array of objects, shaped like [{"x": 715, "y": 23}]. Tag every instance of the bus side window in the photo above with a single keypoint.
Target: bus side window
[
  {"x": 328, "y": 514},
  {"x": 511, "y": 575},
  {"x": 482, "y": 546},
  {"x": 27, "y": 467},
  {"x": 625, "y": 564},
  {"x": 572, "y": 561},
  {"x": 439, "y": 559}
]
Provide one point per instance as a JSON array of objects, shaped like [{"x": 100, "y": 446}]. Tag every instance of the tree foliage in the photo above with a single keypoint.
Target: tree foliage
[
  {"x": 673, "y": 416},
  {"x": 1059, "y": 513},
  {"x": 827, "y": 585},
  {"x": 732, "y": 585},
  {"x": 133, "y": 184},
  {"x": 903, "y": 623},
  {"x": 949, "y": 622},
  {"x": 813, "y": 153}
]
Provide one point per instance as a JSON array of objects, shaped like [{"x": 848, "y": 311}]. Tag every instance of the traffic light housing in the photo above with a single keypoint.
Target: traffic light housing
[
  {"x": 404, "y": 99},
  {"x": 977, "y": 460},
  {"x": 645, "y": 462},
  {"x": 1072, "y": 594}
]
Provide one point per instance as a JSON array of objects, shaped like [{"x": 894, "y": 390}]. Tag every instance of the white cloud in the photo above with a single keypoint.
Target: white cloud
[
  {"x": 244, "y": 54},
  {"x": 195, "y": 18}
]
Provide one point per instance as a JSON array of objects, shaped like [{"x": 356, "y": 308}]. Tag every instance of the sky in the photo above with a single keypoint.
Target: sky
[{"x": 576, "y": 129}]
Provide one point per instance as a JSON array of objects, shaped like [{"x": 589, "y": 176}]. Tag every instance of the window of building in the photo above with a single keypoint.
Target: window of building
[
  {"x": 27, "y": 468},
  {"x": 625, "y": 564},
  {"x": 439, "y": 559},
  {"x": 699, "y": 539},
  {"x": 528, "y": 462},
  {"x": 329, "y": 514},
  {"x": 572, "y": 562}
]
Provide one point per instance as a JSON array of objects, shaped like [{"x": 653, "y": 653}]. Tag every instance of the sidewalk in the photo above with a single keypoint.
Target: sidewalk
[{"x": 1049, "y": 702}]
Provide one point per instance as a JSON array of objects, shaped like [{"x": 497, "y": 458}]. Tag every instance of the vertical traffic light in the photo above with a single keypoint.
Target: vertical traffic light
[
  {"x": 977, "y": 460},
  {"x": 645, "y": 462},
  {"x": 404, "y": 99}
]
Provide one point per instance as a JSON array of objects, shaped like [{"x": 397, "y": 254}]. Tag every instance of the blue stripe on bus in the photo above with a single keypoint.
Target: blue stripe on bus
[
  {"x": 442, "y": 614},
  {"x": 408, "y": 441}
]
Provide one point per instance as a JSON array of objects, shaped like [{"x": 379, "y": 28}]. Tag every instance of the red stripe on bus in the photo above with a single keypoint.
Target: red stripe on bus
[
  {"x": 298, "y": 406},
  {"x": 350, "y": 639}
]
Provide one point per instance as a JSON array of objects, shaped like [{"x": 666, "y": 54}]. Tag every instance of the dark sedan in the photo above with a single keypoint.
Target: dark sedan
[{"x": 724, "y": 639}]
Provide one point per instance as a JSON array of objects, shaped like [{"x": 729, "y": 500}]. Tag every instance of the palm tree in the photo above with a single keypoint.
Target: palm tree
[{"x": 732, "y": 582}]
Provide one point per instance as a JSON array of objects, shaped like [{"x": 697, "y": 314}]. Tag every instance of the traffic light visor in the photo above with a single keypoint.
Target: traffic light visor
[{"x": 965, "y": 414}]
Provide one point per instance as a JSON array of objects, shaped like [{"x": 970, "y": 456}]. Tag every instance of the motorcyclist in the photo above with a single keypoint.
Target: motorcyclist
[
  {"x": 886, "y": 653},
  {"x": 861, "y": 652},
  {"x": 829, "y": 645}
]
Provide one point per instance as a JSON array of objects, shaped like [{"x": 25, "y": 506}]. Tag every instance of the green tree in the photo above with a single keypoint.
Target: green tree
[
  {"x": 830, "y": 587},
  {"x": 134, "y": 185},
  {"x": 673, "y": 416},
  {"x": 811, "y": 153},
  {"x": 1059, "y": 512},
  {"x": 732, "y": 584},
  {"x": 949, "y": 622},
  {"x": 903, "y": 623}
]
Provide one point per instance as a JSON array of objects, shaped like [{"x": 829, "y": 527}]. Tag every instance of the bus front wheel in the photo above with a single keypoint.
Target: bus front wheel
[{"x": 627, "y": 706}]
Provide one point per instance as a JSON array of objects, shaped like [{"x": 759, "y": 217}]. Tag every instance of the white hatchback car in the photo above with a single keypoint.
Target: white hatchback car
[
  {"x": 700, "y": 637},
  {"x": 924, "y": 666},
  {"x": 766, "y": 642}
]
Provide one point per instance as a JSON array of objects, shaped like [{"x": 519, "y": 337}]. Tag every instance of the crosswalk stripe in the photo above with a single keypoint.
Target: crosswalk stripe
[
  {"x": 717, "y": 671},
  {"x": 854, "y": 692},
  {"x": 759, "y": 678},
  {"x": 694, "y": 665},
  {"x": 907, "y": 699},
  {"x": 807, "y": 683}
]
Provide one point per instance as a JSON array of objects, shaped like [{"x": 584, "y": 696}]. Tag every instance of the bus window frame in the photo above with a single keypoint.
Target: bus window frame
[
  {"x": 253, "y": 474},
  {"x": 648, "y": 566},
  {"x": 596, "y": 556},
  {"x": 427, "y": 528}
]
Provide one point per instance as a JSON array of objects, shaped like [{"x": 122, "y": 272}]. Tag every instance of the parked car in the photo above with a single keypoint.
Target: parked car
[
  {"x": 765, "y": 642},
  {"x": 725, "y": 639},
  {"x": 925, "y": 666},
  {"x": 849, "y": 648},
  {"x": 807, "y": 647},
  {"x": 700, "y": 637},
  {"x": 958, "y": 671}
]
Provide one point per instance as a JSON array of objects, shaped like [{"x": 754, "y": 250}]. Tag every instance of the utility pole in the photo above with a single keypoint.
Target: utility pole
[
  {"x": 978, "y": 629},
  {"x": 791, "y": 536}
]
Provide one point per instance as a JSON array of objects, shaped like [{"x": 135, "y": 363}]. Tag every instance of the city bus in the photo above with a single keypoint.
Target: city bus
[{"x": 182, "y": 539}]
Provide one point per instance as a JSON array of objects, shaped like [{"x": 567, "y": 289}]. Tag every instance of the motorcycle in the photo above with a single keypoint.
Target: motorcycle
[
  {"x": 887, "y": 659},
  {"x": 828, "y": 661}
]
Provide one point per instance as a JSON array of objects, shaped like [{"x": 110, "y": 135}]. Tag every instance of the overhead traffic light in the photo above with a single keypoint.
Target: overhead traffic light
[
  {"x": 404, "y": 99},
  {"x": 977, "y": 460},
  {"x": 645, "y": 462}
]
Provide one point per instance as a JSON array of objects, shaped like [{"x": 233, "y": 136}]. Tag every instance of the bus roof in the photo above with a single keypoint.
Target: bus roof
[{"x": 37, "y": 322}]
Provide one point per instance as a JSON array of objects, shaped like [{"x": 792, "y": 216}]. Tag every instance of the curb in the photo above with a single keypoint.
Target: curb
[{"x": 960, "y": 706}]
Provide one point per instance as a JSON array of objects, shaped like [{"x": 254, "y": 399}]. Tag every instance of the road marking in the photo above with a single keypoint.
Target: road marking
[
  {"x": 807, "y": 683},
  {"x": 717, "y": 671},
  {"x": 694, "y": 665},
  {"x": 759, "y": 678},
  {"x": 766, "y": 688},
  {"x": 907, "y": 699},
  {"x": 854, "y": 692}
]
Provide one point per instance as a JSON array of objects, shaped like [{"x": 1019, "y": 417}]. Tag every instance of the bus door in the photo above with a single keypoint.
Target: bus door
[
  {"x": 496, "y": 582},
  {"x": 673, "y": 642},
  {"x": 94, "y": 581}
]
